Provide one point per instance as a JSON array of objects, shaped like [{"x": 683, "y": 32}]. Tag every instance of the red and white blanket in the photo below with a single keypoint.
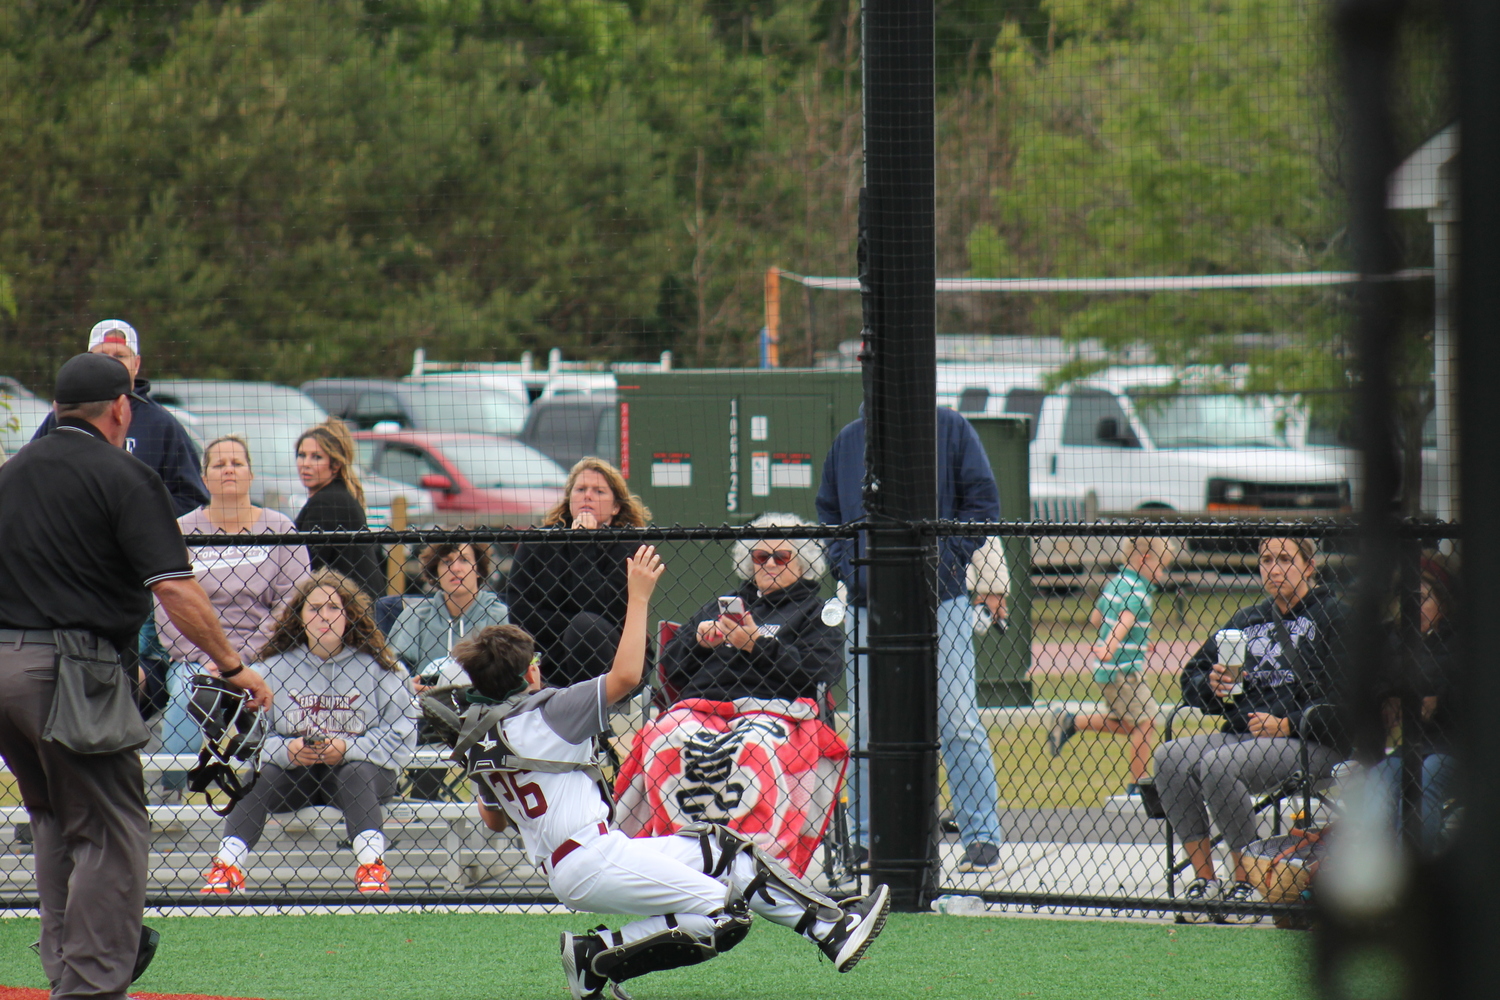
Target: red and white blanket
[{"x": 768, "y": 769}]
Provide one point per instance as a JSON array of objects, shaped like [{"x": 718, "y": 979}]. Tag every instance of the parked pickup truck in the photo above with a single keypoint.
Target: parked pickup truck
[{"x": 1141, "y": 444}]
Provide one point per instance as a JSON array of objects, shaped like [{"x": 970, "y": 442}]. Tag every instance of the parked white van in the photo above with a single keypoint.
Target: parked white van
[{"x": 1141, "y": 443}]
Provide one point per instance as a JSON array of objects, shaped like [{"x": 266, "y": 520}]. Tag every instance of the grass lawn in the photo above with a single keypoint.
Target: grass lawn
[{"x": 474, "y": 956}]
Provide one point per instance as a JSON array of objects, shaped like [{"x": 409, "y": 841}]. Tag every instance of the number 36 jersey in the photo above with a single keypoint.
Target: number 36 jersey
[{"x": 548, "y": 808}]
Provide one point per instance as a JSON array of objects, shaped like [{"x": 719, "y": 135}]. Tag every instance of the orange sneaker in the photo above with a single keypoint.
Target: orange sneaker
[
  {"x": 223, "y": 879},
  {"x": 372, "y": 878}
]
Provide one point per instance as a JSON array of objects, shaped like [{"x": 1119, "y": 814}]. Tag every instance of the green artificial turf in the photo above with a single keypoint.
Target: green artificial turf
[{"x": 513, "y": 957}]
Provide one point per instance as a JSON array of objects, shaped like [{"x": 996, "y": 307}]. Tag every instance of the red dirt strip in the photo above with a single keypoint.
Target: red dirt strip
[{"x": 26, "y": 993}]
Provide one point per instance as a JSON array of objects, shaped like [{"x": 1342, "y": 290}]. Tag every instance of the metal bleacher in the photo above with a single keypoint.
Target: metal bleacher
[{"x": 433, "y": 847}]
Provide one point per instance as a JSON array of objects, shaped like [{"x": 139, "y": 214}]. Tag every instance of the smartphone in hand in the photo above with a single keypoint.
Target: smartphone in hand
[{"x": 733, "y": 608}]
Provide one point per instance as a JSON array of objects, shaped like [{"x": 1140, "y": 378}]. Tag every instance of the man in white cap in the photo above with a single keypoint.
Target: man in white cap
[
  {"x": 87, "y": 541},
  {"x": 156, "y": 437}
]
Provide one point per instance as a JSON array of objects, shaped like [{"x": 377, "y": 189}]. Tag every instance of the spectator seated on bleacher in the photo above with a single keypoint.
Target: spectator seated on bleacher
[
  {"x": 1277, "y": 708},
  {"x": 425, "y": 633},
  {"x": 743, "y": 741},
  {"x": 341, "y": 728},
  {"x": 247, "y": 584},
  {"x": 1429, "y": 735}
]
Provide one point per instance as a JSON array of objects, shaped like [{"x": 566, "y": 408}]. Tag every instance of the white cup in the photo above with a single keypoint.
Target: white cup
[
  {"x": 1232, "y": 654},
  {"x": 983, "y": 619}
]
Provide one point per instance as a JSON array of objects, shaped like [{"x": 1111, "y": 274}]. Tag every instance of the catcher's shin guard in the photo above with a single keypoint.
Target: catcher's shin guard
[
  {"x": 721, "y": 845},
  {"x": 669, "y": 948}
]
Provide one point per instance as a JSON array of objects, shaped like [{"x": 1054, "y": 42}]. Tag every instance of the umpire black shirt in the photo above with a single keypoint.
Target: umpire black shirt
[{"x": 85, "y": 528}]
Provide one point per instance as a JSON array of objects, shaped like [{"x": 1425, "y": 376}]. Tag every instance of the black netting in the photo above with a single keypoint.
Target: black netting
[
  {"x": 1030, "y": 345},
  {"x": 1092, "y": 758}
]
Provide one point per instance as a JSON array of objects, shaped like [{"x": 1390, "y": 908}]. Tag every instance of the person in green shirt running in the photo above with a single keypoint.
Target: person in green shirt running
[{"x": 1123, "y": 618}]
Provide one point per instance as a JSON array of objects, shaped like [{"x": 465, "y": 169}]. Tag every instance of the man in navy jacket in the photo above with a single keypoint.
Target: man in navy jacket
[
  {"x": 966, "y": 492},
  {"x": 156, "y": 437}
]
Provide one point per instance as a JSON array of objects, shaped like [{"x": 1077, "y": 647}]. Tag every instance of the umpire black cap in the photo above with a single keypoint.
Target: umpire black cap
[{"x": 92, "y": 378}]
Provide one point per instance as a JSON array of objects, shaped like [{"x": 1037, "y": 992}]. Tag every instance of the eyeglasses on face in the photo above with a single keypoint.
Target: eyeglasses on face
[{"x": 780, "y": 557}]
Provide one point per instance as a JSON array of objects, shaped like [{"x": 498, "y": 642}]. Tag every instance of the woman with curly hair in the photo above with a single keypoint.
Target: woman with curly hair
[
  {"x": 570, "y": 597},
  {"x": 341, "y": 728},
  {"x": 336, "y": 502},
  {"x": 461, "y": 603}
]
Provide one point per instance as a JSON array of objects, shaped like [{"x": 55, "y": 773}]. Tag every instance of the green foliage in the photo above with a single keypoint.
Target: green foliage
[
  {"x": 284, "y": 186},
  {"x": 1183, "y": 137},
  {"x": 284, "y": 189},
  {"x": 1167, "y": 137}
]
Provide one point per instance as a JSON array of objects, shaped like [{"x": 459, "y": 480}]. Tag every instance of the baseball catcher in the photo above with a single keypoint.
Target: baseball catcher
[{"x": 532, "y": 756}]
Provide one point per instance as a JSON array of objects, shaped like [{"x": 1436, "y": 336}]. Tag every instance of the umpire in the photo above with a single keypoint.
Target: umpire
[{"x": 86, "y": 530}]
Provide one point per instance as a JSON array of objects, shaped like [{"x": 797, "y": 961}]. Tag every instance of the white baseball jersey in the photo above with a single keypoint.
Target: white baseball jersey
[
  {"x": 609, "y": 873},
  {"x": 549, "y": 808}
]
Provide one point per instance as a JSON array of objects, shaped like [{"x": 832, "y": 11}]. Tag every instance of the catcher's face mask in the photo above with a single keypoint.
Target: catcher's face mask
[{"x": 233, "y": 735}]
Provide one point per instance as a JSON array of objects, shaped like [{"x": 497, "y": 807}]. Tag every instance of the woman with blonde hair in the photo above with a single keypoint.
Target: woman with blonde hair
[
  {"x": 247, "y": 584},
  {"x": 341, "y": 729},
  {"x": 570, "y": 597},
  {"x": 336, "y": 502}
]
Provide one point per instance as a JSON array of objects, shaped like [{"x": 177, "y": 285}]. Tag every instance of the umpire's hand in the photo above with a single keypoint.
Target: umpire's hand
[{"x": 249, "y": 680}]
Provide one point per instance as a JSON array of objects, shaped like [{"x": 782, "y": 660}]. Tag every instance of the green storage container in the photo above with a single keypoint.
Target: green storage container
[
  {"x": 1003, "y": 663},
  {"x": 722, "y": 447}
]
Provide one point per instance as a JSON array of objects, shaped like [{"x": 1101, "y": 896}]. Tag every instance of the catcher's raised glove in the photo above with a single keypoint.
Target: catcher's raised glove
[{"x": 438, "y": 711}]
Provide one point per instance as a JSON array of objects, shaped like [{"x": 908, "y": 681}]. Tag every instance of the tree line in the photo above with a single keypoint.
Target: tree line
[{"x": 283, "y": 190}]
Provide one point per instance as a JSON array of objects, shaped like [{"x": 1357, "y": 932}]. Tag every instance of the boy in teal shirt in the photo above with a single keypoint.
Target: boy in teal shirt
[{"x": 1123, "y": 617}]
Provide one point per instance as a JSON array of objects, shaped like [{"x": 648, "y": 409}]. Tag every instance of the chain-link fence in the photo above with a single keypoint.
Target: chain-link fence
[{"x": 1133, "y": 717}]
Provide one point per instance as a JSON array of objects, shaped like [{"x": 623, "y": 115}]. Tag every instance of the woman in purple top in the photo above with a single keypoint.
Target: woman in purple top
[{"x": 247, "y": 585}]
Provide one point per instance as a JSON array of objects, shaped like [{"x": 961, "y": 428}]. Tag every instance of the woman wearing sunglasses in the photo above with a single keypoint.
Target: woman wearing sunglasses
[
  {"x": 779, "y": 647},
  {"x": 744, "y": 683}
]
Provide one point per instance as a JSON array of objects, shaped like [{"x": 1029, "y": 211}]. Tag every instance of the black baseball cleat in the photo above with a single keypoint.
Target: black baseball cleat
[
  {"x": 146, "y": 951},
  {"x": 578, "y": 951},
  {"x": 864, "y": 917}
]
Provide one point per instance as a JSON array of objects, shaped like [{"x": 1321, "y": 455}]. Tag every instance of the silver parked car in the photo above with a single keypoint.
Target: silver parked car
[
  {"x": 198, "y": 395},
  {"x": 273, "y": 455}
]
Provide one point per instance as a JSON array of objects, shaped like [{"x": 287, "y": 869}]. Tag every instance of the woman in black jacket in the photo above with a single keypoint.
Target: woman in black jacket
[
  {"x": 780, "y": 648},
  {"x": 570, "y": 596},
  {"x": 336, "y": 502},
  {"x": 1427, "y": 734},
  {"x": 1283, "y": 703}
]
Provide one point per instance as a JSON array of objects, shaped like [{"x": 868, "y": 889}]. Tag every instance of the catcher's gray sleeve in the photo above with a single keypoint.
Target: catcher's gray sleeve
[{"x": 579, "y": 712}]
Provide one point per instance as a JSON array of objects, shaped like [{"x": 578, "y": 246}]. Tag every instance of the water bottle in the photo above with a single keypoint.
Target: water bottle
[
  {"x": 958, "y": 906},
  {"x": 982, "y": 619}
]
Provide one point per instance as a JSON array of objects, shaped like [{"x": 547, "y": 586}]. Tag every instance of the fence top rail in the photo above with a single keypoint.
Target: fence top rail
[
  {"x": 1101, "y": 528},
  {"x": 554, "y": 536},
  {"x": 1249, "y": 528}
]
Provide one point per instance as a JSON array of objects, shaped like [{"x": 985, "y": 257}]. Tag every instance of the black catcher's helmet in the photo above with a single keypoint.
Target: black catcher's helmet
[{"x": 233, "y": 734}]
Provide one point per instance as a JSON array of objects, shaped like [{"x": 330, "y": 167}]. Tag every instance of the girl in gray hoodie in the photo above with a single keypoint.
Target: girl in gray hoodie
[{"x": 342, "y": 729}]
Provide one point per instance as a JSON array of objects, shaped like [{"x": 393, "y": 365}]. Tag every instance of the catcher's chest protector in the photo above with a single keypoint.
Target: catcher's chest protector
[{"x": 487, "y": 756}]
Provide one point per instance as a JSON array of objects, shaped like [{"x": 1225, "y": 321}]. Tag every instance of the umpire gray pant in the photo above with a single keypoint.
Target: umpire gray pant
[
  {"x": 1218, "y": 772},
  {"x": 90, "y": 836}
]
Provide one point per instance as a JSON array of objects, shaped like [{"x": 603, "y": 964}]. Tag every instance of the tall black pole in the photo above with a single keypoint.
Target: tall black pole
[
  {"x": 1475, "y": 880},
  {"x": 1367, "y": 34},
  {"x": 1368, "y": 39},
  {"x": 897, "y": 272}
]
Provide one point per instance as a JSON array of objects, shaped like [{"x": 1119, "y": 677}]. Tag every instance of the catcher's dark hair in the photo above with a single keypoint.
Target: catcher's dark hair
[
  {"x": 359, "y": 620},
  {"x": 433, "y": 556},
  {"x": 496, "y": 658}
]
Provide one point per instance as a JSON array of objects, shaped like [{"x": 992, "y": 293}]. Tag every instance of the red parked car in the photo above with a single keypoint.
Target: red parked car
[{"x": 474, "y": 479}]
